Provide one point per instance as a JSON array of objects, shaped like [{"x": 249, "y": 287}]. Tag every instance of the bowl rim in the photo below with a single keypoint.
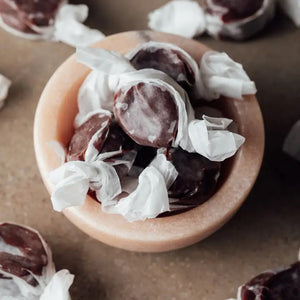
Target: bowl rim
[{"x": 160, "y": 234}]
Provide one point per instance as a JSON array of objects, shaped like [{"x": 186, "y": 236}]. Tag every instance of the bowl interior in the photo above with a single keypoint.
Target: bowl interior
[{"x": 54, "y": 121}]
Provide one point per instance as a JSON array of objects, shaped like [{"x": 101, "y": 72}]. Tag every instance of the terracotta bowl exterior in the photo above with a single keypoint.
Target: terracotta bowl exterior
[{"x": 54, "y": 121}]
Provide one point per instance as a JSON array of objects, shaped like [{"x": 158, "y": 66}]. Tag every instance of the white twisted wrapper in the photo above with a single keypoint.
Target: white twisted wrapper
[
  {"x": 150, "y": 198},
  {"x": 5, "y": 84},
  {"x": 182, "y": 17},
  {"x": 221, "y": 75}
]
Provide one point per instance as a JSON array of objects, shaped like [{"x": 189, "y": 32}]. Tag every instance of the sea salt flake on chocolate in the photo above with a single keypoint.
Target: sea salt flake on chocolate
[
  {"x": 291, "y": 144},
  {"x": 5, "y": 84},
  {"x": 221, "y": 75},
  {"x": 182, "y": 17},
  {"x": 211, "y": 138}
]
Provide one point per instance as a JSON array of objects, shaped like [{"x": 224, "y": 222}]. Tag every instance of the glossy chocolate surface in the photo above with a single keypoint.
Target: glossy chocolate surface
[
  {"x": 281, "y": 285},
  {"x": 34, "y": 257},
  {"x": 197, "y": 177},
  {"x": 166, "y": 60},
  {"x": 147, "y": 114},
  {"x": 23, "y": 15},
  {"x": 237, "y": 9},
  {"x": 82, "y": 136}
]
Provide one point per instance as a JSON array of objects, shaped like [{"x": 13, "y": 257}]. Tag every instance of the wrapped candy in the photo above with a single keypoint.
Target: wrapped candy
[
  {"x": 238, "y": 20},
  {"x": 217, "y": 74},
  {"x": 26, "y": 267},
  {"x": 133, "y": 162},
  {"x": 283, "y": 284},
  {"x": 182, "y": 17},
  {"x": 55, "y": 20},
  {"x": 5, "y": 84},
  {"x": 292, "y": 9},
  {"x": 222, "y": 76},
  {"x": 170, "y": 59}
]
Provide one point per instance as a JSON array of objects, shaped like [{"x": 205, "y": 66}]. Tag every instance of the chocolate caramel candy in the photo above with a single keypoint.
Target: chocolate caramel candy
[
  {"x": 148, "y": 114},
  {"x": 32, "y": 258},
  {"x": 25, "y": 16},
  {"x": 97, "y": 124},
  {"x": 273, "y": 285},
  {"x": 234, "y": 9},
  {"x": 197, "y": 177},
  {"x": 166, "y": 60}
]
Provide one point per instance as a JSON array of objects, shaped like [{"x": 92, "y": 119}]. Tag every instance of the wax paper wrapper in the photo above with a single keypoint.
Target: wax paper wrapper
[
  {"x": 182, "y": 17},
  {"x": 72, "y": 180},
  {"x": 291, "y": 144},
  {"x": 5, "y": 84},
  {"x": 292, "y": 9},
  {"x": 221, "y": 75},
  {"x": 111, "y": 63},
  {"x": 27, "y": 270},
  {"x": 238, "y": 29},
  {"x": 210, "y": 138},
  {"x": 150, "y": 198},
  {"x": 66, "y": 27},
  {"x": 152, "y": 46}
]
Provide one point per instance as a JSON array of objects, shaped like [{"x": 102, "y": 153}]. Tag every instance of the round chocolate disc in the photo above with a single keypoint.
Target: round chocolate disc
[
  {"x": 148, "y": 114},
  {"x": 166, "y": 60},
  {"x": 97, "y": 123}
]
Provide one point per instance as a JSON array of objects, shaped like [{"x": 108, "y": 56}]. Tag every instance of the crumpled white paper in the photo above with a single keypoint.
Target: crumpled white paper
[
  {"x": 18, "y": 289},
  {"x": 58, "y": 287},
  {"x": 125, "y": 76},
  {"x": 243, "y": 28},
  {"x": 151, "y": 196},
  {"x": 73, "y": 179},
  {"x": 67, "y": 27},
  {"x": 291, "y": 144},
  {"x": 185, "y": 56},
  {"x": 221, "y": 75},
  {"x": 5, "y": 84},
  {"x": 210, "y": 138},
  {"x": 292, "y": 9},
  {"x": 182, "y": 17}
]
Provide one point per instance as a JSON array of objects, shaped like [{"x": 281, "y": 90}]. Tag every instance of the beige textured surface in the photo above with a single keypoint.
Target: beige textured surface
[{"x": 264, "y": 233}]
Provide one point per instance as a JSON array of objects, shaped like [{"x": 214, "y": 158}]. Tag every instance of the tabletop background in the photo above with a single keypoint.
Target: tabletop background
[{"x": 264, "y": 233}]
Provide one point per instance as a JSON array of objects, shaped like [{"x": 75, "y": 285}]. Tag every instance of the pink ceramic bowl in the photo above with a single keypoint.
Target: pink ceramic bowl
[{"x": 54, "y": 121}]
